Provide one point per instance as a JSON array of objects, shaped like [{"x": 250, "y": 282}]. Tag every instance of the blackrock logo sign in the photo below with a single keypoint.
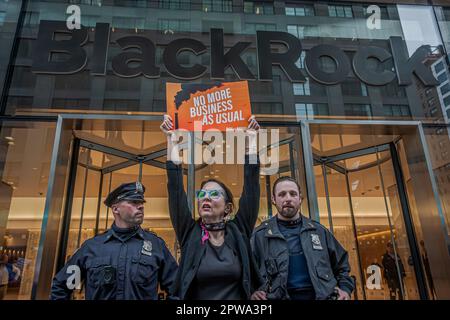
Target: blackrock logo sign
[{"x": 73, "y": 47}]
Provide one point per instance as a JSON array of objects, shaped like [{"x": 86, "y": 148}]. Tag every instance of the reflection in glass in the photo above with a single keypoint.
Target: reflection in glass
[
  {"x": 25, "y": 152},
  {"x": 359, "y": 202}
]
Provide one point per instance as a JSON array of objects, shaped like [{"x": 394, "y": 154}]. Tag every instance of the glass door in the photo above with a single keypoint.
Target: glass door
[
  {"x": 361, "y": 205},
  {"x": 101, "y": 161}
]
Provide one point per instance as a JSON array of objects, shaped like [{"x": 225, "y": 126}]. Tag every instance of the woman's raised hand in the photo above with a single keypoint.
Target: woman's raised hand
[
  {"x": 167, "y": 125},
  {"x": 253, "y": 124}
]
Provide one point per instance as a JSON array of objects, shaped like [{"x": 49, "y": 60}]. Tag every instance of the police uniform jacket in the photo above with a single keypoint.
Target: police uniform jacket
[
  {"x": 116, "y": 269},
  {"x": 326, "y": 259}
]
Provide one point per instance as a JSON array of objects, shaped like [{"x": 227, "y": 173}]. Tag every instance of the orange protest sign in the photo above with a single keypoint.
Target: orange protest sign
[{"x": 218, "y": 106}]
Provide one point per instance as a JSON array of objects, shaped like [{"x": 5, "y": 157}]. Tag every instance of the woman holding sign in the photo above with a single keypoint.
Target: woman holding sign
[{"x": 216, "y": 259}]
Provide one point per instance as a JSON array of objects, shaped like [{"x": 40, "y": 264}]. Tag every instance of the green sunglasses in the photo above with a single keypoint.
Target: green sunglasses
[{"x": 212, "y": 194}]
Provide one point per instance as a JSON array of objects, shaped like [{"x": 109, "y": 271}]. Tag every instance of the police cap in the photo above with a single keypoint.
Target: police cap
[{"x": 133, "y": 191}]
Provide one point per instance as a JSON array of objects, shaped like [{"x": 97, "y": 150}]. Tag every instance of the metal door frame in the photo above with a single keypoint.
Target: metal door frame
[
  {"x": 130, "y": 160},
  {"x": 48, "y": 251},
  {"x": 411, "y": 236},
  {"x": 330, "y": 163}
]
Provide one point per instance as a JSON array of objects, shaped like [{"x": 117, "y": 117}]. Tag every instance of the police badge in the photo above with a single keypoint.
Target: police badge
[
  {"x": 316, "y": 242},
  {"x": 147, "y": 248}
]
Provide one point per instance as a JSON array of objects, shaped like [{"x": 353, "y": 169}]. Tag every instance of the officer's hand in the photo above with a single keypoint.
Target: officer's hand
[
  {"x": 167, "y": 125},
  {"x": 342, "y": 294},
  {"x": 258, "y": 295}
]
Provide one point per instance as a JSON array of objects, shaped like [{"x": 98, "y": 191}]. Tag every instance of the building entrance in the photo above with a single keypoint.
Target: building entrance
[
  {"x": 368, "y": 183},
  {"x": 366, "y": 212}
]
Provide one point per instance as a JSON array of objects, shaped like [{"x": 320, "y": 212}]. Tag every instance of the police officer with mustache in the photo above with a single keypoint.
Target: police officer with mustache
[{"x": 124, "y": 263}]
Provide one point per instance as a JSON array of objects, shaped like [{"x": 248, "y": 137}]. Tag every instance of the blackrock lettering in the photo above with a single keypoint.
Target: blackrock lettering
[{"x": 405, "y": 66}]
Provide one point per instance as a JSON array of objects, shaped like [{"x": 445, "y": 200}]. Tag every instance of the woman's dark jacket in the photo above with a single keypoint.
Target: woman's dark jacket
[{"x": 237, "y": 232}]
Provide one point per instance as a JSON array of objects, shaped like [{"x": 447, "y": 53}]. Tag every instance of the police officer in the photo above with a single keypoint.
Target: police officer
[
  {"x": 125, "y": 262},
  {"x": 298, "y": 257}
]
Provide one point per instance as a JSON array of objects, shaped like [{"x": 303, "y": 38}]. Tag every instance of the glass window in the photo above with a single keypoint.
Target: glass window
[
  {"x": 442, "y": 77},
  {"x": 117, "y": 84},
  {"x": 302, "y": 89},
  {"x": 248, "y": 7},
  {"x": 121, "y": 104},
  {"x": 175, "y": 4},
  {"x": 439, "y": 67},
  {"x": 447, "y": 101},
  {"x": 353, "y": 87},
  {"x": 258, "y": 7},
  {"x": 301, "y": 61},
  {"x": 293, "y": 29},
  {"x": 171, "y": 26},
  {"x": 332, "y": 11},
  {"x": 251, "y": 28},
  {"x": 2, "y": 17},
  {"x": 445, "y": 88},
  {"x": 327, "y": 64},
  {"x": 310, "y": 110},
  {"x": 124, "y": 3},
  {"x": 392, "y": 89},
  {"x": 396, "y": 110},
  {"x": 23, "y": 79},
  {"x": 69, "y": 104},
  {"x": 299, "y": 10},
  {"x": 348, "y": 12},
  {"x": 265, "y": 88},
  {"x": 89, "y": 20},
  {"x": 358, "y": 110},
  {"x": 32, "y": 91},
  {"x": 31, "y": 18},
  {"x": 290, "y": 11},
  {"x": 439, "y": 147},
  {"x": 364, "y": 89},
  {"x": 268, "y": 107},
  {"x": 217, "y": 5},
  {"x": 340, "y": 11},
  {"x": 303, "y": 31},
  {"x": 79, "y": 82},
  {"x": 25, "y": 155},
  {"x": 128, "y": 23}
]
